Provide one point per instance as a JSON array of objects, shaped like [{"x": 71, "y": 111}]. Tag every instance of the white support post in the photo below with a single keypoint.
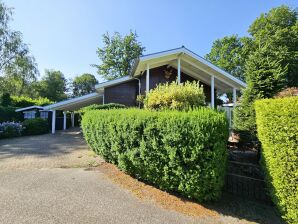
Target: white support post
[
  {"x": 178, "y": 70},
  {"x": 147, "y": 79},
  {"x": 234, "y": 97},
  {"x": 103, "y": 98},
  {"x": 212, "y": 92},
  {"x": 72, "y": 119},
  {"x": 64, "y": 120},
  {"x": 53, "y": 121}
]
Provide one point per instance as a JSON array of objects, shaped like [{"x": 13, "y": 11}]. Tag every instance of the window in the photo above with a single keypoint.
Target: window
[
  {"x": 29, "y": 114},
  {"x": 44, "y": 114}
]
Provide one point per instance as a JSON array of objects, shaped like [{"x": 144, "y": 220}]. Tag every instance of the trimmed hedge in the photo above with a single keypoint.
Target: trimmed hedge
[
  {"x": 24, "y": 101},
  {"x": 9, "y": 114},
  {"x": 102, "y": 107},
  {"x": 182, "y": 152},
  {"x": 277, "y": 125},
  {"x": 36, "y": 126}
]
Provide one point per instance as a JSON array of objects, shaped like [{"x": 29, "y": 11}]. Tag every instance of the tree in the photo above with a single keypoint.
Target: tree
[
  {"x": 276, "y": 30},
  {"x": 83, "y": 84},
  {"x": 230, "y": 54},
  {"x": 118, "y": 54},
  {"x": 11, "y": 44},
  {"x": 5, "y": 100},
  {"x": 17, "y": 68},
  {"x": 52, "y": 86}
]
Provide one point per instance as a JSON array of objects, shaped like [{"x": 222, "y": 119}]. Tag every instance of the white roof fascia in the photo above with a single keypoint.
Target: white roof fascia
[
  {"x": 72, "y": 101},
  {"x": 195, "y": 56},
  {"x": 28, "y": 108},
  {"x": 113, "y": 82}
]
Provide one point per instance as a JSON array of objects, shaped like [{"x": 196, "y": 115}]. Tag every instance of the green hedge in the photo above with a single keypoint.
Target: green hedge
[
  {"x": 277, "y": 125},
  {"x": 102, "y": 107},
  {"x": 9, "y": 114},
  {"x": 36, "y": 126},
  {"x": 24, "y": 101},
  {"x": 183, "y": 152}
]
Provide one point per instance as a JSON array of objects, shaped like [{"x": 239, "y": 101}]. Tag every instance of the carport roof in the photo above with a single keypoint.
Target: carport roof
[{"x": 76, "y": 103}]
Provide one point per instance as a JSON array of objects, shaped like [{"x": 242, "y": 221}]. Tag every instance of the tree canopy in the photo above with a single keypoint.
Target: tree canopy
[
  {"x": 117, "y": 55},
  {"x": 83, "y": 84},
  {"x": 52, "y": 86}
]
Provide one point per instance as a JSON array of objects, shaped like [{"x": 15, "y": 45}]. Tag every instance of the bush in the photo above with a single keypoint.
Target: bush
[
  {"x": 277, "y": 121},
  {"x": 10, "y": 129},
  {"x": 102, "y": 107},
  {"x": 9, "y": 114},
  {"x": 35, "y": 126},
  {"x": 183, "y": 152},
  {"x": 175, "y": 96},
  {"x": 5, "y": 100},
  {"x": 24, "y": 101}
]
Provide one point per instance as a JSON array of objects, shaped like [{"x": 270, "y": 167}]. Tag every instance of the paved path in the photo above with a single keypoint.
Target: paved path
[{"x": 43, "y": 179}]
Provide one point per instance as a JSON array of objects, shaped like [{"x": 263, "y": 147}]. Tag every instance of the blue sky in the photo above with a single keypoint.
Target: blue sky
[{"x": 64, "y": 34}]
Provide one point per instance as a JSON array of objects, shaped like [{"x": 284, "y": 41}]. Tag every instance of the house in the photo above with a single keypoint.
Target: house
[
  {"x": 33, "y": 112},
  {"x": 179, "y": 64}
]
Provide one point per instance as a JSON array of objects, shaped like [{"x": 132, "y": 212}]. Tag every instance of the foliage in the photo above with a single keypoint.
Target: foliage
[
  {"x": 277, "y": 121},
  {"x": 10, "y": 129},
  {"x": 230, "y": 54},
  {"x": 24, "y": 101},
  {"x": 175, "y": 96},
  {"x": 177, "y": 151},
  {"x": 17, "y": 66},
  {"x": 271, "y": 67},
  {"x": 5, "y": 100},
  {"x": 101, "y": 107},
  {"x": 52, "y": 86},
  {"x": 118, "y": 54},
  {"x": 83, "y": 84},
  {"x": 9, "y": 114},
  {"x": 292, "y": 91},
  {"x": 35, "y": 126}
]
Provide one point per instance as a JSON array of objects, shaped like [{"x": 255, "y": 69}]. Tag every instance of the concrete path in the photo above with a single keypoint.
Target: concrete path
[{"x": 46, "y": 179}]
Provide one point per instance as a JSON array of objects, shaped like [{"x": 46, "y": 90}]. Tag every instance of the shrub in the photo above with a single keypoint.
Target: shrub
[
  {"x": 277, "y": 121},
  {"x": 175, "y": 96},
  {"x": 5, "y": 100},
  {"x": 9, "y": 114},
  {"x": 102, "y": 107},
  {"x": 24, "y": 101},
  {"x": 177, "y": 151},
  {"x": 10, "y": 129},
  {"x": 35, "y": 126}
]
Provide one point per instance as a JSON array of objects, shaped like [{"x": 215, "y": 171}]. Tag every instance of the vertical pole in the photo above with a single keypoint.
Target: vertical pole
[
  {"x": 212, "y": 92},
  {"x": 64, "y": 120},
  {"x": 53, "y": 121},
  {"x": 103, "y": 98},
  {"x": 147, "y": 79},
  {"x": 179, "y": 71},
  {"x": 72, "y": 119},
  {"x": 234, "y": 97}
]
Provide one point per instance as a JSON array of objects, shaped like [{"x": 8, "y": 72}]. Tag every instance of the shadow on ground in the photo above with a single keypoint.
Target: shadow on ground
[{"x": 62, "y": 142}]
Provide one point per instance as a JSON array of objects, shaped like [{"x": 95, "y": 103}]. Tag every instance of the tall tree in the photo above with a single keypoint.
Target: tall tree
[
  {"x": 17, "y": 68},
  {"x": 271, "y": 67},
  {"x": 118, "y": 54},
  {"x": 230, "y": 54},
  {"x": 53, "y": 86},
  {"x": 83, "y": 84}
]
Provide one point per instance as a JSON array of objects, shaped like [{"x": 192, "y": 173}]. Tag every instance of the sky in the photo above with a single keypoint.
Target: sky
[{"x": 65, "y": 34}]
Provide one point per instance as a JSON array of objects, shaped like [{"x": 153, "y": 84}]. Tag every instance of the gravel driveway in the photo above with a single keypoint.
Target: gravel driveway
[{"x": 46, "y": 179}]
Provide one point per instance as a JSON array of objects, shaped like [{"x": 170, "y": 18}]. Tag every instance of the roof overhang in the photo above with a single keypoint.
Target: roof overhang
[
  {"x": 191, "y": 64},
  {"x": 76, "y": 103},
  {"x": 103, "y": 85},
  {"x": 29, "y": 108}
]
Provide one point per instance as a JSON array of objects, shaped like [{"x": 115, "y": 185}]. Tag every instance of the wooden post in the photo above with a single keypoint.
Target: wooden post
[
  {"x": 147, "y": 79},
  {"x": 64, "y": 120},
  {"x": 212, "y": 92},
  {"x": 178, "y": 70}
]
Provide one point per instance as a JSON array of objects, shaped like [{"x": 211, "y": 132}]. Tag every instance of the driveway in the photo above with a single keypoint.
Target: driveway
[{"x": 47, "y": 179}]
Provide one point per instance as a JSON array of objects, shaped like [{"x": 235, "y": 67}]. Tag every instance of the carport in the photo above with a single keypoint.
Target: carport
[{"x": 72, "y": 105}]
